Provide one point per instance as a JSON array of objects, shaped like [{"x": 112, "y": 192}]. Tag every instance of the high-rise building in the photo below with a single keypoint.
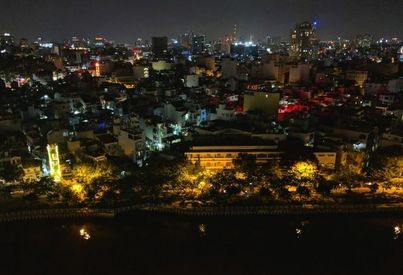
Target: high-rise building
[
  {"x": 7, "y": 39},
  {"x": 139, "y": 42},
  {"x": 363, "y": 41},
  {"x": 302, "y": 40},
  {"x": 99, "y": 42},
  {"x": 400, "y": 54},
  {"x": 185, "y": 41},
  {"x": 24, "y": 43},
  {"x": 229, "y": 68},
  {"x": 54, "y": 162},
  {"x": 247, "y": 49},
  {"x": 7, "y": 42},
  {"x": 198, "y": 44},
  {"x": 235, "y": 33},
  {"x": 272, "y": 41},
  {"x": 159, "y": 45},
  {"x": 225, "y": 44},
  {"x": 269, "y": 41}
]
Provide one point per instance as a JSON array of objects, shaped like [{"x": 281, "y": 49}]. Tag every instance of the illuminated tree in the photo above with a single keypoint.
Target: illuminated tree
[
  {"x": 304, "y": 171},
  {"x": 347, "y": 176},
  {"x": 85, "y": 173},
  {"x": 5, "y": 192},
  {"x": 254, "y": 174},
  {"x": 86, "y": 177},
  {"x": 45, "y": 187},
  {"x": 303, "y": 191},
  {"x": 283, "y": 193},
  {"x": 11, "y": 173},
  {"x": 226, "y": 182},
  {"x": 95, "y": 191},
  {"x": 189, "y": 180},
  {"x": 245, "y": 164},
  {"x": 325, "y": 186},
  {"x": 392, "y": 170}
]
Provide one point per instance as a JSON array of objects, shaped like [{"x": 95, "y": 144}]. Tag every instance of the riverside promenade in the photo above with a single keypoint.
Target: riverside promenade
[{"x": 306, "y": 209}]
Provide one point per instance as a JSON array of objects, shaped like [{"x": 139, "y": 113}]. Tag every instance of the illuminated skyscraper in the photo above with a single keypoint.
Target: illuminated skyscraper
[
  {"x": 302, "y": 40},
  {"x": 24, "y": 43},
  {"x": 185, "y": 41},
  {"x": 54, "y": 162},
  {"x": 198, "y": 44},
  {"x": 363, "y": 41},
  {"x": 99, "y": 42},
  {"x": 97, "y": 69},
  {"x": 7, "y": 42}
]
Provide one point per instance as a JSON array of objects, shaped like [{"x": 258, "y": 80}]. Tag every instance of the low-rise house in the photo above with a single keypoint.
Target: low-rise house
[
  {"x": 326, "y": 159},
  {"x": 110, "y": 144},
  {"x": 132, "y": 144},
  {"x": 32, "y": 170}
]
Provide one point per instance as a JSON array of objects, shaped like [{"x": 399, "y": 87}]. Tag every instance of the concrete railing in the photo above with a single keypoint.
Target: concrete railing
[
  {"x": 277, "y": 210},
  {"x": 204, "y": 211},
  {"x": 55, "y": 214}
]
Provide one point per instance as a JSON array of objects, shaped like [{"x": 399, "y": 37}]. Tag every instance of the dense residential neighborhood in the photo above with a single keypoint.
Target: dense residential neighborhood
[{"x": 192, "y": 122}]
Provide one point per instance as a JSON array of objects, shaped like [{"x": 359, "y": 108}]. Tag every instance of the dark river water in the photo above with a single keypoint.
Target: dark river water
[{"x": 139, "y": 244}]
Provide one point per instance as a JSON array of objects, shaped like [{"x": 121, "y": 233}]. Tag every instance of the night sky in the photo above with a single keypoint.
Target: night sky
[{"x": 125, "y": 20}]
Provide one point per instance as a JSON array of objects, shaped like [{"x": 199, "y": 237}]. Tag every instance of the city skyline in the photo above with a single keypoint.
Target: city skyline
[
  {"x": 201, "y": 137},
  {"x": 125, "y": 21}
]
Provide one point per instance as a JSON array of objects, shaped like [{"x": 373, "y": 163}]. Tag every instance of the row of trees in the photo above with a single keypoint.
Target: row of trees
[
  {"x": 183, "y": 180},
  {"x": 387, "y": 166},
  {"x": 173, "y": 180}
]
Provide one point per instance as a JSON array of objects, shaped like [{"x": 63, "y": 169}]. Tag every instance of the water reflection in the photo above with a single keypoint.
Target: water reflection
[
  {"x": 346, "y": 245},
  {"x": 202, "y": 230},
  {"x": 84, "y": 234},
  {"x": 397, "y": 232},
  {"x": 300, "y": 229}
]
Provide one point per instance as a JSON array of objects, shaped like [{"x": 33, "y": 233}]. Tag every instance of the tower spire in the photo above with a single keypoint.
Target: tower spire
[{"x": 235, "y": 32}]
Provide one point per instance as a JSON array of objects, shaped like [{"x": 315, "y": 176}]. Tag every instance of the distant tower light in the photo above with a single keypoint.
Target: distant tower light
[{"x": 97, "y": 69}]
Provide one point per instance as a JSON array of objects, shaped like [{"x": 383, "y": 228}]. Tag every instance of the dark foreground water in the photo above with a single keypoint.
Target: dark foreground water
[{"x": 139, "y": 244}]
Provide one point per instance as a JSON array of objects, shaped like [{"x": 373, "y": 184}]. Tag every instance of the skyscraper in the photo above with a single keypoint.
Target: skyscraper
[
  {"x": 302, "y": 40},
  {"x": 7, "y": 39},
  {"x": 7, "y": 42},
  {"x": 24, "y": 43},
  {"x": 159, "y": 45},
  {"x": 363, "y": 41},
  {"x": 185, "y": 40},
  {"x": 198, "y": 44},
  {"x": 235, "y": 34}
]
